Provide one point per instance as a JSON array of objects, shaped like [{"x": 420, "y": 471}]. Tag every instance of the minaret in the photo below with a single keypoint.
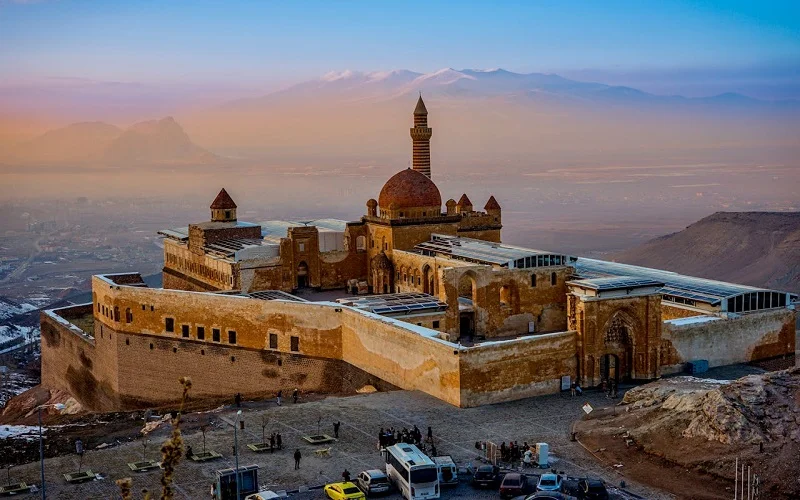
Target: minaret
[{"x": 421, "y": 140}]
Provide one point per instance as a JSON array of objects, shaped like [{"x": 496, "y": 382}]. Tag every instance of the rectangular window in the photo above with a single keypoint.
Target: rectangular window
[
  {"x": 273, "y": 340},
  {"x": 533, "y": 281},
  {"x": 201, "y": 332},
  {"x": 185, "y": 331},
  {"x": 169, "y": 324},
  {"x": 215, "y": 334},
  {"x": 231, "y": 337},
  {"x": 295, "y": 347},
  {"x": 142, "y": 307},
  {"x": 301, "y": 246},
  {"x": 435, "y": 324}
]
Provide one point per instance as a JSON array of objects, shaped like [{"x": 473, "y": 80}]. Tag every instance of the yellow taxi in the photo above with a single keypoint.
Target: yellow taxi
[{"x": 343, "y": 491}]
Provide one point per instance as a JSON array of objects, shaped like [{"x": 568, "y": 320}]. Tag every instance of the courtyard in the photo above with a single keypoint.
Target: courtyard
[{"x": 542, "y": 419}]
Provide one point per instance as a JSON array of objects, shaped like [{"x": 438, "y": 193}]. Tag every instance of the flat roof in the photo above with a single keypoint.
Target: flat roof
[
  {"x": 616, "y": 283},
  {"x": 274, "y": 295},
  {"x": 488, "y": 252},
  {"x": 678, "y": 285},
  {"x": 396, "y": 303},
  {"x": 274, "y": 230},
  {"x": 229, "y": 246}
]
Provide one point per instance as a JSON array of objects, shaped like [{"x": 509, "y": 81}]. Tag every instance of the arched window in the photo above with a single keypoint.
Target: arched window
[
  {"x": 128, "y": 315},
  {"x": 505, "y": 295},
  {"x": 553, "y": 279},
  {"x": 361, "y": 244}
]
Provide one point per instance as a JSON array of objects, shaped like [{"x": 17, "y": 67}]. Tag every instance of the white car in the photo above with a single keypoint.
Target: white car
[
  {"x": 549, "y": 482},
  {"x": 373, "y": 482},
  {"x": 264, "y": 495}
]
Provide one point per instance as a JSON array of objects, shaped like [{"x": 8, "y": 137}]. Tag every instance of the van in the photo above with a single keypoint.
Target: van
[{"x": 448, "y": 471}]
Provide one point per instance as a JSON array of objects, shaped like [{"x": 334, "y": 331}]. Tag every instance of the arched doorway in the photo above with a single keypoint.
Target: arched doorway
[
  {"x": 467, "y": 300},
  {"x": 302, "y": 275},
  {"x": 427, "y": 279},
  {"x": 617, "y": 362}
]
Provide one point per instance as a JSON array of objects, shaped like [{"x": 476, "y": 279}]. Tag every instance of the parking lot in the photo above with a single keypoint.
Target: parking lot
[{"x": 543, "y": 419}]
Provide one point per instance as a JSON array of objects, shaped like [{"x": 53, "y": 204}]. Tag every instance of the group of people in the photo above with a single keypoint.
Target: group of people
[
  {"x": 513, "y": 452},
  {"x": 391, "y": 436},
  {"x": 295, "y": 396},
  {"x": 275, "y": 442},
  {"x": 610, "y": 388}
]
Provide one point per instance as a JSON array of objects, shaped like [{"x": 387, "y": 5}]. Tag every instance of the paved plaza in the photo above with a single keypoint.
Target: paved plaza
[{"x": 455, "y": 430}]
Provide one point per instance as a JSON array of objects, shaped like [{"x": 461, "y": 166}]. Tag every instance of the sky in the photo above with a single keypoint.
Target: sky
[{"x": 261, "y": 43}]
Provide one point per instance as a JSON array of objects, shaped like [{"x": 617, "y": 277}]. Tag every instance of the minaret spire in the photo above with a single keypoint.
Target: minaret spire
[{"x": 421, "y": 139}]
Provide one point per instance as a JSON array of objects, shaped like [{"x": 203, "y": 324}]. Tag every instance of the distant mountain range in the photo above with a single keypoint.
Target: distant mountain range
[
  {"x": 346, "y": 112},
  {"x": 156, "y": 141},
  {"x": 753, "y": 248},
  {"x": 475, "y": 114}
]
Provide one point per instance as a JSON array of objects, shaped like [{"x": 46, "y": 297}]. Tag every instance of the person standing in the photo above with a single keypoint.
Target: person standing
[
  {"x": 336, "y": 429},
  {"x": 346, "y": 476},
  {"x": 297, "y": 457},
  {"x": 279, "y": 440},
  {"x": 238, "y": 399},
  {"x": 572, "y": 389},
  {"x": 279, "y": 396},
  {"x": 272, "y": 443},
  {"x": 295, "y": 395},
  {"x": 430, "y": 434}
]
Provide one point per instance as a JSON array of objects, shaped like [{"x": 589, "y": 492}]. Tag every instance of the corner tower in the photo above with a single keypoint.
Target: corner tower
[{"x": 421, "y": 140}]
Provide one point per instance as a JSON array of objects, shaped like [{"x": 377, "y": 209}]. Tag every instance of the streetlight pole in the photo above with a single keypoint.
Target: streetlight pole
[
  {"x": 57, "y": 406},
  {"x": 236, "y": 450}
]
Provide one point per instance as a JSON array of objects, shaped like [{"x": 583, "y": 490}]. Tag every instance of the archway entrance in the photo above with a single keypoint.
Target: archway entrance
[
  {"x": 302, "y": 275},
  {"x": 467, "y": 299},
  {"x": 427, "y": 279},
  {"x": 609, "y": 368}
]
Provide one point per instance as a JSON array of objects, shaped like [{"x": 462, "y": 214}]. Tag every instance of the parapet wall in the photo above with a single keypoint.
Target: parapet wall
[
  {"x": 494, "y": 372},
  {"x": 741, "y": 339}
]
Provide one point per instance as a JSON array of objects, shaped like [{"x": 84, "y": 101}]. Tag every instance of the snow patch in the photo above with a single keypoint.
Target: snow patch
[{"x": 693, "y": 320}]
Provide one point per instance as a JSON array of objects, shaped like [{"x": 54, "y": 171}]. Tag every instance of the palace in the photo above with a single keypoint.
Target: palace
[{"x": 409, "y": 296}]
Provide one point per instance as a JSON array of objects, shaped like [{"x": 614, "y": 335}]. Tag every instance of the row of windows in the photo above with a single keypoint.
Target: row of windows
[
  {"x": 216, "y": 335},
  {"x": 553, "y": 280},
  {"x": 755, "y": 301},
  {"x": 541, "y": 261}
]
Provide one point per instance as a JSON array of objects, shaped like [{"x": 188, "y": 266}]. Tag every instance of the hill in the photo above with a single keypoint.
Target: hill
[
  {"x": 752, "y": 248},
  {"x": 154, "y": 141}
]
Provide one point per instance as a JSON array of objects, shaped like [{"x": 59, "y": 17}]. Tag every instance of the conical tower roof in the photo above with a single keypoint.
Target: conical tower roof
[
  {"x": 492, "y": 204},
  {"x": 223, "y": 201},
  {"x": 420, "y": 109},
  {"x": 464, "y": 201}
]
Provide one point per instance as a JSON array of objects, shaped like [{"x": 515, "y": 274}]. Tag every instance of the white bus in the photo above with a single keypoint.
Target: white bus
[{"x": 414, "y": 474}]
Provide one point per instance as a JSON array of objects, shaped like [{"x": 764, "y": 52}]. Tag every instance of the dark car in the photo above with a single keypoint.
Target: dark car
[
  {"x": 516, "y": 484},
  {"x": 593, "y": 489},
  {"x": 486, "y": 476},
  {"x": 550, "y": 495}
]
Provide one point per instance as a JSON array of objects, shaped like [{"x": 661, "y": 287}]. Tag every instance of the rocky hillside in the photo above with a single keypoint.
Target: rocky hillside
[
  {"x": 752, "y": 248},
  {"x": 698, "y": 428}
]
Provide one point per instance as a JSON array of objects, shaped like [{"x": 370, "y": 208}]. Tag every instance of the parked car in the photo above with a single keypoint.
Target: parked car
[
  {"x": 515, "y": 484},
  {"x": 486, "y": 476},
  {"x": 373, "y": 482},
  {"x": 263, "y": 495},
  {"x": 448, "y": 471},
  {"x": 343, "y": 491},
  {"x": 550, "y": 495},
  {"x": 549, "y": 482},
  {"x": 593, "y": 489}
]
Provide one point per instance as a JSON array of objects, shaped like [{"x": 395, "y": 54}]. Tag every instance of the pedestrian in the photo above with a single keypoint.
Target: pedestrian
[
  {"x": 433, "y": 450},
  {"x": 279, "y": 441},
  {"x": 381, "y": 439},
  {"x": 572, "y": 389},
  {"x": 189, "y": 452},
  {"x": 295, "y": 395},
  {"x": 297, "y": 457},
  {"x": 430, "y": 434},
  {"x": 272, "y": 443},
  {"x": 279, "y": 396},
  {"x": 238, "y": 400},
  {"x": 336, "y": 429},
  {"x": 578, "y": 389},
  {"x": 346, "y": 476}
]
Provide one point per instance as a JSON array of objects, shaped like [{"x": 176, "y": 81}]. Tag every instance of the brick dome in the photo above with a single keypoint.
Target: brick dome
[{"x": 409, "y": 189}]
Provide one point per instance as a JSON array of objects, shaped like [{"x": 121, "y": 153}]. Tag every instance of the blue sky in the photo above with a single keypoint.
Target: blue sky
[{"x": 267, "y": 42}]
